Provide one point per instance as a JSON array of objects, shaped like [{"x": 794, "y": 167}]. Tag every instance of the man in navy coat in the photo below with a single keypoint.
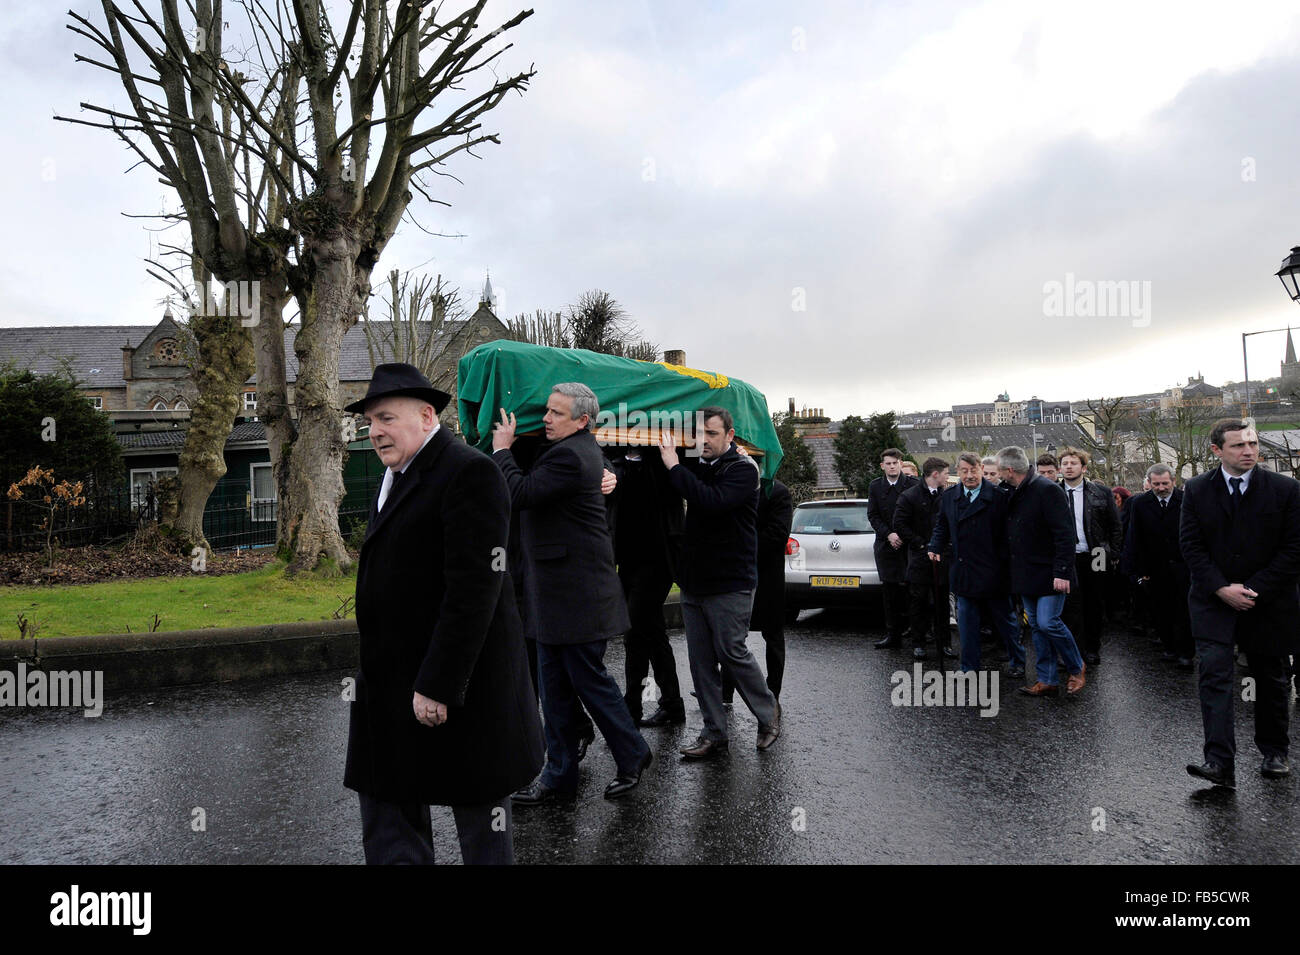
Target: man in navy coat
[
  {"x": 1240, "y": 534},
  {"x": 973, "y": 521},
  {"x": 444, "y": 712}
]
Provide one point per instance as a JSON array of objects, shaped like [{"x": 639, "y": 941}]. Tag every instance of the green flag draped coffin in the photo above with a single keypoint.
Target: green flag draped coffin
[{"x": 638, "y": 399}]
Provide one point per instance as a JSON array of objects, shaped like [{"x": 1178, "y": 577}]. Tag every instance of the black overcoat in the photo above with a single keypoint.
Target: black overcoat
[
  {"x": 1151, "y": 547},
  {"x": 1259, "y": 547},
  {"x": 977, "y": 534},
  {"x": 881, "y": 503},
  {"x": 572, "y": 593},
  {"x": 914, "y": 521},
  {"x": 775, "y": 515},
  {"x": 1040, "y": 537},
  {"x": 436, "y": 611}
]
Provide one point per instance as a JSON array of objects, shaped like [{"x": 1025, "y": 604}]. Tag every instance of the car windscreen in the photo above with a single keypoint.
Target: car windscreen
[{"x": 831, "y": 519}]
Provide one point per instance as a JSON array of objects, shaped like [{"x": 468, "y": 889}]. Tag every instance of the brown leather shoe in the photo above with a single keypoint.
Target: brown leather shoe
[
  {"x": 1075, "y": 683},
  {"x": 704, "y": 748},
  {"x": 1039, "y": 689}
]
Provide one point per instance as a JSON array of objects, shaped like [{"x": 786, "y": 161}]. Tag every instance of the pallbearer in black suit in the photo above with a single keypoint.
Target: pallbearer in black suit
[
  {"x": 1240, "y": 534},
  {"x": 444, "y": 712},
  {"x": 775, "y": 515},
  {"x": 647, "y": 548},
  {"x": 1154, "y": 560},
  {"x": 1096, "y": 551},
  {"x": 927, "y": 580},
  {"x": 891, "y": 559},
  {"x": 575, "y": 602}
]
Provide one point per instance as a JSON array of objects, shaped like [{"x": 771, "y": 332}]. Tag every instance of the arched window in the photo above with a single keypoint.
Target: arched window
[
  {"x": 181, "y": 405},
  {"x": 158, "y": 404}
]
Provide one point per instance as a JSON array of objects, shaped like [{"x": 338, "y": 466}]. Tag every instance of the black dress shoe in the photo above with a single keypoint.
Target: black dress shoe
[
  {"x": 538, "y": 793},
  {"x": 918, "y": 653},
  {"x": 888, "y": 643},
  {"x": 665, "y": 716},
  {"x": 584, "y": 742},
  {"x": 704, "y": 748},
  {"x": 1167, "y": 656},
  {"x": 767, "y": 734},
  {"x": 1275, "y": 767},
  {"x": 624, "y": 783},
  {"x": 950, "y": 653},
  {"x": 1184, "y": 663},
  {"x": 1016, "y": 673},
  {"x": 1092, "y": 659},
  {"x": 1214, "y": 773}
]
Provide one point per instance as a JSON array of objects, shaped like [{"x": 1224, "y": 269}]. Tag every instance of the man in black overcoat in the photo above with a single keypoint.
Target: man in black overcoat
[
  {"x": 444, "y": 712},
  {"x": 927, "y": 580},
  {"x": 891, "y": 558},
  {"x": 1240, "y": 534},
  {"x": 972, "y": 529},
  {"x": 648, "y": 533},
  {"x": 1154, "y": 559},
  {"x": 574, "y": 600}
]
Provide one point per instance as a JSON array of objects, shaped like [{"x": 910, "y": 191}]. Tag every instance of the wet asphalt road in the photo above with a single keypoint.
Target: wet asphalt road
[{"x": 853, "y": 778}]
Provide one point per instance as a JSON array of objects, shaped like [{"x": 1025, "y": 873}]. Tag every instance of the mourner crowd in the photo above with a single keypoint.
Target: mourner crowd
[{"x": 488, "y": 583}]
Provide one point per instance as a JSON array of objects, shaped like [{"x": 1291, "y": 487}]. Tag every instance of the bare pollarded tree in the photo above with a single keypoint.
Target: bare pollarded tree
[{"x": 295, "y": 151}]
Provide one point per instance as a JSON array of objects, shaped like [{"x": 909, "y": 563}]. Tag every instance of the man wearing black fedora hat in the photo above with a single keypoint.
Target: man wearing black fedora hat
[{"x": 444, "y": 712}]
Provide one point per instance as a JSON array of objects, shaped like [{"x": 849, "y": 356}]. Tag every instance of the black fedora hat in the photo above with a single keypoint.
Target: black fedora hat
[{"x": 398, "y": 378}]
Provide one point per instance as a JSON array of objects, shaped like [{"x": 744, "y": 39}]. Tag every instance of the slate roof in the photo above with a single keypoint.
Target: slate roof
[
  {"x": 96, "y": 350},
  {"x": 174, "y": 439},
  {"x": 823, "y": 450}
]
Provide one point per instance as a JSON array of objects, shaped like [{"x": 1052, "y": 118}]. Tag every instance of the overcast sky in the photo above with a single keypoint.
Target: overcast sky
[{"x": 862, "y": 206}]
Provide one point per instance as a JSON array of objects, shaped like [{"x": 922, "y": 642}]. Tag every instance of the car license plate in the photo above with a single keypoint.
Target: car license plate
[{"x": 849, "y": 582}]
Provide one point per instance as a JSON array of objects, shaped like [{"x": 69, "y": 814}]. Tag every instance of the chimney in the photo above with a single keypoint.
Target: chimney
[
  {"x": 127, "y": 352},
  {"x": 675, "y": 356}
]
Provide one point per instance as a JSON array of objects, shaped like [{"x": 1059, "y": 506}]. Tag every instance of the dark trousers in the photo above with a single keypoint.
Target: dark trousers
[
  {"x": 646, "y": 586},
  {"x": 1168, "y": 594},
  {"x": 929, "y": 608},
  {"x": 576, "y": 671},
  {"x": 1085, "y": 605},
  {"x": 774, "y": 644},
  {"x": 894, "y": 597},
  {"x": 402, "y": 833},
  {"x": 580, "y": 718},
  {"x": 1219, "y": 688}
]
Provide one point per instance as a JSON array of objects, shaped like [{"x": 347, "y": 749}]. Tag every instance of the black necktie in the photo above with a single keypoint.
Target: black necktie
[
  {"x": 970, "y": 496},
  {"x": 1074, "y": 521},
  {"x": 1235, "y": 494},
  {"x": 1164, "y": 503}
]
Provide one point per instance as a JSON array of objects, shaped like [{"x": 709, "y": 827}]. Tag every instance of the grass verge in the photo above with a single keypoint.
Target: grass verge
[{"x": 181, "y": 603}]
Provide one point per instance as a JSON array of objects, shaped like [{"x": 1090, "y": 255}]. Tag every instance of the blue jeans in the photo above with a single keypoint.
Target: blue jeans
[
  {"x": 1051, "y": 636},
  {"x": 1002, "y": 618}
]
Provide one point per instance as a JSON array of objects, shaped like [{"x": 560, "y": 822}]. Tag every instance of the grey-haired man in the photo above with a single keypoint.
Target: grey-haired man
[{"x": 574, "y": 602}]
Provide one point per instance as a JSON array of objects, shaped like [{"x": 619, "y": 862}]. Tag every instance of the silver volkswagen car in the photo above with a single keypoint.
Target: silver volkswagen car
[{"x": 829, "y": 559}]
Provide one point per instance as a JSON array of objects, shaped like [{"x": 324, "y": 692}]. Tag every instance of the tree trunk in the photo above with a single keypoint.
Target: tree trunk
[
  {"x": 225, "y": 363},
  {"x": 273, "y": 404},
  {"x": 329, "y": 307}
]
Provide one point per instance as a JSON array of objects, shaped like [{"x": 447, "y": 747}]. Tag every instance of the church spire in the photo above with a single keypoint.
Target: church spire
[
  {"x": 487, "y": 298},
  {"x": 1290, "y": 348}
]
